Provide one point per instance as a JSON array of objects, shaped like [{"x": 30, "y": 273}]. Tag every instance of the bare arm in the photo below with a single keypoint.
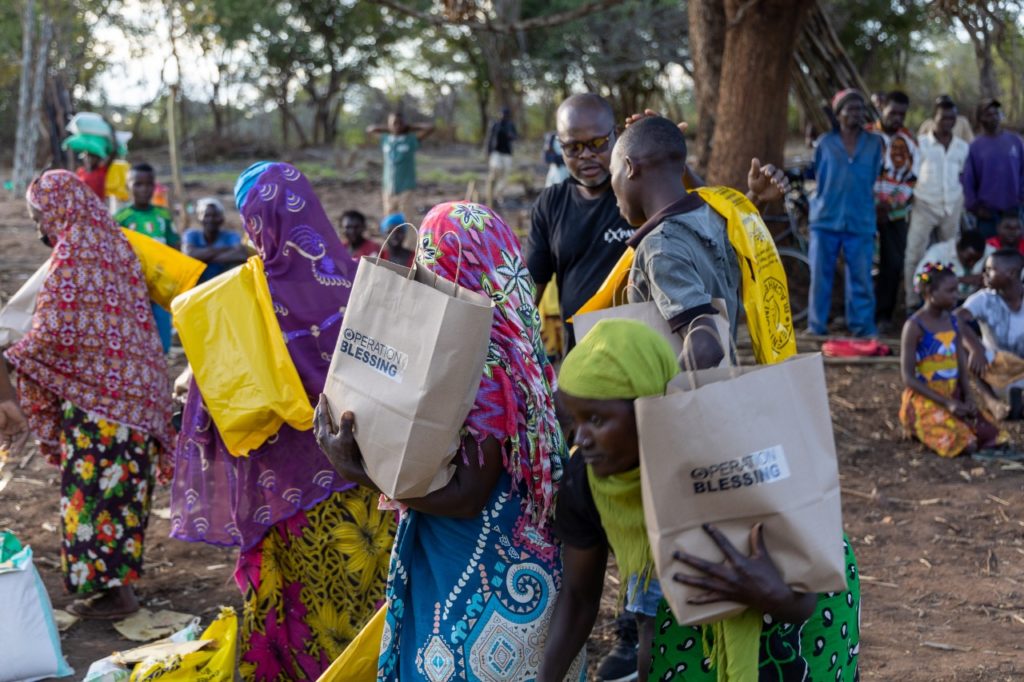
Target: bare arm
[
  {"x": 539, "y": 293},
  {"x": 422, "y": 130},
  {"x": 14, "y": 429},
  {"x": 575, "y": 610},
  {"x": 463, "y": 497},
  {"x": 976, "y": 360},
  {"x": 704, "y": 348},
  {"x": 376, "y": 129}
]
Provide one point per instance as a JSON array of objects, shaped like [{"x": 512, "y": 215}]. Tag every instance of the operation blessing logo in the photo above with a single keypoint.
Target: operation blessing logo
[
  {"x": 375, "y": 354},
  {"x": 764, "y": 466}
]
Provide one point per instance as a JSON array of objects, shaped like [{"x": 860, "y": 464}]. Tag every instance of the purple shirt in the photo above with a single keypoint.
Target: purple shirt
[{"x": 994, "y": 173}]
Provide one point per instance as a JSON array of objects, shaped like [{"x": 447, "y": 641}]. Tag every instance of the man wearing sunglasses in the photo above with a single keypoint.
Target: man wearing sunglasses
[{"x": 576, "y": 232}]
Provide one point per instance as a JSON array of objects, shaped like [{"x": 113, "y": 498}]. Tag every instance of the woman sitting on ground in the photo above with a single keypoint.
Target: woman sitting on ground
[{"x": 936, "y": 409}]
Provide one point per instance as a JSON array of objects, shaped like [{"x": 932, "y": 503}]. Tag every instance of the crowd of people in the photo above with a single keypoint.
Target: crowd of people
[{"x": 498, "y": 575}]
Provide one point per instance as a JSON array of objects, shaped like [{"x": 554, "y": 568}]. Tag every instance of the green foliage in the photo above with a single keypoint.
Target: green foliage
[{"x": 880, "y": 36}]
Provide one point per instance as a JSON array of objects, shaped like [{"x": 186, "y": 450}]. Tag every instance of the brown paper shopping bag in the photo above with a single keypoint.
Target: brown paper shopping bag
[
  {"x": 734, "y": 447},
  {"x": 408, "y": 364},
  {"x": 648, "y": 313}
]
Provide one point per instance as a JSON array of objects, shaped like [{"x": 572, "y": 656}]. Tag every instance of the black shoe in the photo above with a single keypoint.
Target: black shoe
[
  {"x": 1016, "y": 405},
  {"x": 619, "y": 665}
]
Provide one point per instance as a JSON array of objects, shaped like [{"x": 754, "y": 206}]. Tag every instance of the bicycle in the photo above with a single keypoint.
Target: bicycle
[{"x": 792, "y": 243}]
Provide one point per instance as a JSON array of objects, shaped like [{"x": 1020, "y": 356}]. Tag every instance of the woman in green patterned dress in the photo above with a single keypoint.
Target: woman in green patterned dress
[{"x": 784, "y": 635}]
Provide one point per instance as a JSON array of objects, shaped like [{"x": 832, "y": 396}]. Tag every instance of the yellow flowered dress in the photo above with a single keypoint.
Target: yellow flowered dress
[{"x": 927, "y": 421}]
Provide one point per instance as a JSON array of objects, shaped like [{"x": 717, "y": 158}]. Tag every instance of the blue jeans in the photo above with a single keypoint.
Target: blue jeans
[
  {"x": 857, "y": 250},
  {"x": 163, "y": 326}
]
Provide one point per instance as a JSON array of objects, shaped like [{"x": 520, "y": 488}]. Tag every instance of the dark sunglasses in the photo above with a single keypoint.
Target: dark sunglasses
[{"x": 572, "y": 149}]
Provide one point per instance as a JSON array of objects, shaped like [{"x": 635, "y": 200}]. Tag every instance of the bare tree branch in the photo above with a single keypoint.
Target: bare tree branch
[{"x": 547, "y": 21}]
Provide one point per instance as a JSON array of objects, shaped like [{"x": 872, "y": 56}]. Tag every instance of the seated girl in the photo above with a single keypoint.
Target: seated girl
[
  {"x": 784, "y": 635},
  {"x": 935, "y": 408}
]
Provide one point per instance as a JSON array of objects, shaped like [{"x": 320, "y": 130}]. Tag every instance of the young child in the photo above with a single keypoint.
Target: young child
[
  {"x": 353, "y": 233},
  {"x": 935, "y": 408},
  {"x": 220, "y": 249},
  {"x": 396, "y": 252},
  {"x": 153, "y": 221},
  {"x": 399, "y": 142},
  {"x": 1008, "y": 232},
  {"x": 997, "y": 356}
]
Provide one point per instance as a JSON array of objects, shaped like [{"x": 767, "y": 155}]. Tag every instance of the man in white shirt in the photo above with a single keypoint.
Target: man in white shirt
[
  {"x": 966, "y": 255},
  {"x": 938, "y": 195}
]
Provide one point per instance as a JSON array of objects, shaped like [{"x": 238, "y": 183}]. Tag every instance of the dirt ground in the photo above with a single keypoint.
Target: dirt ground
[{"x": 940, "y": 543}]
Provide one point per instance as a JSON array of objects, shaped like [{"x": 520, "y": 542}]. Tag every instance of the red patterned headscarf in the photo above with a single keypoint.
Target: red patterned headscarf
[
  {"x": 93, "y": 340},
  {"x": 514, "y": 403}
]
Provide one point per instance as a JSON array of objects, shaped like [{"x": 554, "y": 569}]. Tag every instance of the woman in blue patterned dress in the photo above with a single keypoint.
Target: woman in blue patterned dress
[{"x": 475, "y": 568}]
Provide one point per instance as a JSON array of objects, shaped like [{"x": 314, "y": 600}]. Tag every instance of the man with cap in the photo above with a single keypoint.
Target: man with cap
[
  {"x": 993, "y": 176},
  {"x": 847, "y": 162}
]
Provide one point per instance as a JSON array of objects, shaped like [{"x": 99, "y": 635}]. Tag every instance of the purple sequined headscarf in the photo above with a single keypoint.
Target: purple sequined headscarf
[{"x": 227, "y": 500}]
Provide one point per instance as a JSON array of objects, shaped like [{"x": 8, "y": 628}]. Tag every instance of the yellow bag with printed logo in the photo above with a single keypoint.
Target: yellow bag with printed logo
[
  {"x": 214, "y": 663},
  {"x": 168, "y": 272},
  {"x": 239, "y": 358},
  {"x": 765, "y": 291}
]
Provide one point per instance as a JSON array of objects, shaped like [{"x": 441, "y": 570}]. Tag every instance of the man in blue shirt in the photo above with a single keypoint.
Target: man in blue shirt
[
  {"x": 220, "y": 249},
  {"x": 847, "y": 163}
]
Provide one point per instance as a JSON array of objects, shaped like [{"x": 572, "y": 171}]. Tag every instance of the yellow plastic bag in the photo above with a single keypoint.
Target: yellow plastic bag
[
  {"x": 765, "y": 291},
  {"x": 116, "y": 184},
  {"x": 551, "y": 320},
  {"x": 215, "y": 663},
  {"x": 239, "y": 358},
  {"x": 168, "y": 272},
  {"x": 358, "y": 662}
]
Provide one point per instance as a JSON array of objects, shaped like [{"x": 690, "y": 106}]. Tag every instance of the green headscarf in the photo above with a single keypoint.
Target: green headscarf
[
  {"x": 623, "y": 360},
  {"x": 620, "y": 360}
]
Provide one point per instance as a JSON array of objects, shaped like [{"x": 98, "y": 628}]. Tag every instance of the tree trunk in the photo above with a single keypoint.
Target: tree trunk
[
  {"x": 38, "y": 87},
  {"x": 754, "y": 90},
  {"x": 22, "y": 161},
  {"x": 707, "y": 46},
  {"x": 988, "y": 83}
]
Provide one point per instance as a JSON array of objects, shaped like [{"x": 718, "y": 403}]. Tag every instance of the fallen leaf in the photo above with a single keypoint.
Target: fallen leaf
[{"x": 145, "y": 625}]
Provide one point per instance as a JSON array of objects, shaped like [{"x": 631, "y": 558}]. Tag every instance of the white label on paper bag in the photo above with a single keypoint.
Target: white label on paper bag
[
  {"x": 377, "y": 355},
  {"x": 757, "y": 468}
]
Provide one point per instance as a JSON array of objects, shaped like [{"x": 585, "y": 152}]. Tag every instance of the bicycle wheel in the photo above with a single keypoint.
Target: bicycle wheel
[{"x": 798, "y": 278}]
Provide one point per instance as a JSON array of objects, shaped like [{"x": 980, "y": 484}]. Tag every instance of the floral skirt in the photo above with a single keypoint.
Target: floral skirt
[
  {"x": 943, "y": 432},
  {"x": 311, "y": 584},
  {"x": 106, "y": 482}
]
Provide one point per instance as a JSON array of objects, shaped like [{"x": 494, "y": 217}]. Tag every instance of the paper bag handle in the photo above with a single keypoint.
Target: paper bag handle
[
  {"x": 687, "y": 360},
  {"x": 458, "y": 263},
  {"x": 380, "y": 254},
  {"x": 625, "y": 293}
]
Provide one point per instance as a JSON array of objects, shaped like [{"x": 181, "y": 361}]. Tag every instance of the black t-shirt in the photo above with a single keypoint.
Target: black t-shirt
[
  {"x": 577, "y": 521},
  {"x": 576, "y": 239}
]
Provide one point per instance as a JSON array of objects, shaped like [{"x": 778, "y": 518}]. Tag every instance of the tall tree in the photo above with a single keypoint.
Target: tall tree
[
  {"x": 986, "y": 23},
  {"x": 753, "y": 93},
  {"x": 707, "y": 47}
]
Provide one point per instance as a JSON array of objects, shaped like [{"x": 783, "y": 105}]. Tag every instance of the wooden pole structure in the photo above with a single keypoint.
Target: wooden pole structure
[
  {"x": 172, "y": 142},
  {"x": 821, "y": 68}
]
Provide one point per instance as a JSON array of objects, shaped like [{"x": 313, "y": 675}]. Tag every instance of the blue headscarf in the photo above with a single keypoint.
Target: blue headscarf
[{"x": 247, "y": 179}]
